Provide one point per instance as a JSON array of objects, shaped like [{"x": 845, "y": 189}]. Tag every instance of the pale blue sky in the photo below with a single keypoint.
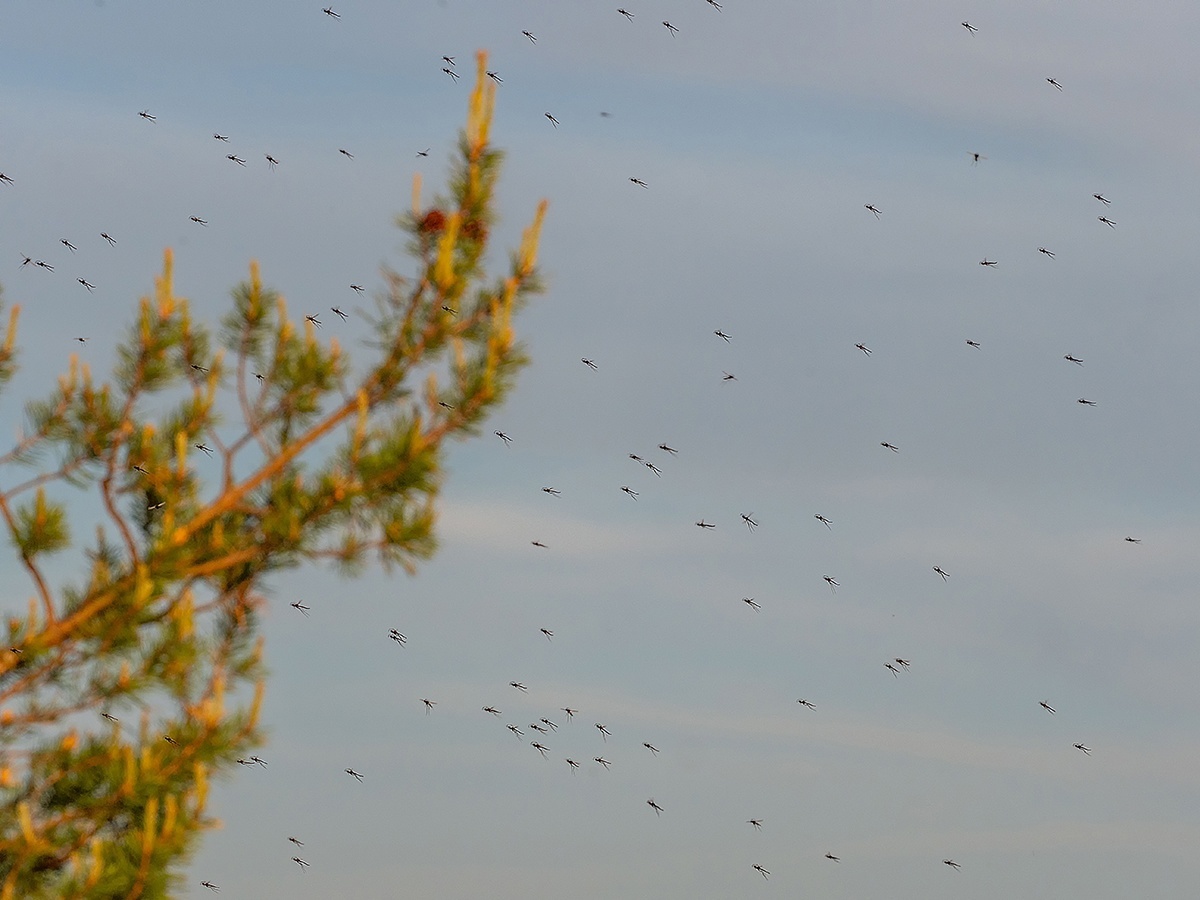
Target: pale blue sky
[{"x": 761, "y": 130}]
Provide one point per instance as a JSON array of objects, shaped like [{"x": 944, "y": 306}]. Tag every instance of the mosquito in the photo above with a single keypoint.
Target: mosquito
[
  {"x": 547, "y": 632},
  {"x": 41, "y": 263},
  {"x": 492, "y": 710},
  {"x": 630, "y": 491},
  {"x": 604, "y": 762},
  {"x": 337, "y": 311},
  {"x": 654, "y": 806},
  {"x": 1086, "y": 402},
  {"x": 626, "y": 13},
  {"x": 895, "y": 672},
  {"x": 495, "y": 77},
  {"x": 671, "y": 28},
  {"x": 722, "y": 335},
  {"x": 987, "y": 262},
  {"x": 951, "y": 863},
  {"x": 589, "y": 363},
  {"x": 806, "y": 703},
  {"x": 728, "y": 377},
  {"x": 749, "y": 601},
  {"x": 357, "y": 288},
  {"x": 971, "y": 28},
  {"x": 1133, "y": 540},
  {"x": 1107, "y": 221},
  {"x": 832, "y": 584},
  {"x": 258, "y": 761},
  {"x": 221, "y": 137},
  {"x": 200, "y": 369},
  {"x": 111, "y": 240},
  {"x": 449, "y": 60},
  {"x": 424, "y": 152},
  {"x": 145, "y": 114},
  {"x": 604, "y": 732},
  {"x": 204, "y": 448},
  {"x": 667, "y": 449},
  {"x": 761, "y": 871},
  {"x": 650, "y": 747},
  {"x": 302, "y": 863},
  {"x": 28, "y": 259},
  {"x": 300, "y": 606},
  {"x": 553, "y": 121},
  {"x": 540, "y": 748},
  {"x": 5, "y": 178},
  {"x": 757, "y": 823},
  {"x": 532, "y": 39},
  {"x": 570, "y": 712},
  {"x": 271, "y": 161},
  {"x": 504, "y": 437},
  {"x": 539, "y": 544},
  {"x": 396, "y": 636},
  {"x": 357, "y": 775},
  {"x": 329, "y": 12},
  {"x": 233, "y": 157},
  {"x": 939, "y": 570},
  {"x": 976, "y": 157},
  {"x": 748, "y": 518},
  {"x": 975, "y": 344},
  {"x": 834, "y": 858},
  {"x": 296, "y": 841},
  {"x": 1102, "y": 199},
  {"x": 1087, "y": 751},
  {"x": 429, "y": 704},
  {"x": 1045, "y": 252},
  {"x": 519, "y": 686},
  {"x": 68, "y": 245},
  {"x": 653, "y": 468},
  {"x": 314, "y": 320},
  {"x": 1072, "y": 359},
  {"x": 1046, "y": 706},
  {"x": 346, "y": 153},
  {"x": 639, "y": 182},
  {"x": 904, "y": 663},
  {"x": 1055, "y": 83},
  {"x": 87, "y": 284},
  {"x": 212, "y": 887},
  {"x": 549, "y": 724},
  {"x": 875, "y": 212},
  {"x": 574, "y": 765},
  {"x": 824, "y": 521},
  {"x": 864, "y": 348},
  {"x": 538, "y": 728},
  {"x": 888, "y": 446},
  {"x": 703, "y": 524},
  {"x": 199, "y": 221},
  {"x": 636, "y": 458},
  {"x": 515, "y": 730}
]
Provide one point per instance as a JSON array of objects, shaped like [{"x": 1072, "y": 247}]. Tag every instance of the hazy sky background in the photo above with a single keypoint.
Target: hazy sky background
[{"x": 761, "y": 131}]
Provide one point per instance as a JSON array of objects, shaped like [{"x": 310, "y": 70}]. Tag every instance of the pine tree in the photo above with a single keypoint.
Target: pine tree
[{"x": 123, "y": 694}]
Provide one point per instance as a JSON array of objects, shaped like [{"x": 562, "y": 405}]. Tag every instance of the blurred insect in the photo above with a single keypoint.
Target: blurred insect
[{"x": 654, "y": 806}]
